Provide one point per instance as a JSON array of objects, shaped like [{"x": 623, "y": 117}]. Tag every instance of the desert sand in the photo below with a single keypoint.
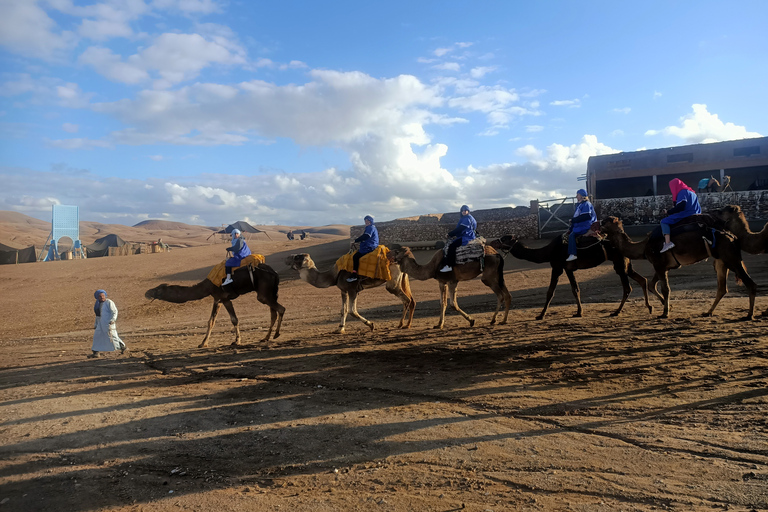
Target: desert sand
[{"x": 585, "y": 414}]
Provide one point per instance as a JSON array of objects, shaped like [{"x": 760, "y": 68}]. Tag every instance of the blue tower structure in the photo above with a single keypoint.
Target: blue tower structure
[{"x": 65, "y": 222}]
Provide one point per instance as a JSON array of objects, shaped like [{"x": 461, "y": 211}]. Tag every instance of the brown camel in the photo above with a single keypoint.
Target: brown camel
[
  {"x": 556, "y": 252},
  {"x": 690, "y": 247},
  {"x": 262, "y": 279},
  {"x": 397, "y": 286},
  {"x": 492, "y": 272},
  {"x": 735, "y": 222}
]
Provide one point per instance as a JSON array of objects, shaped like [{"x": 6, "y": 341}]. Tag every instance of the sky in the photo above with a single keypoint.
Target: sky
[{"x": 311, "y": 113}]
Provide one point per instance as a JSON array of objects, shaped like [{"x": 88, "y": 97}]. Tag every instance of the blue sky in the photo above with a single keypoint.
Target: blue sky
[{"x": 314, "y": 113}]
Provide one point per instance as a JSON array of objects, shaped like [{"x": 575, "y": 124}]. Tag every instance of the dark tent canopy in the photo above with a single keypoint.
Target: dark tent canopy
[
  {"x": 9, "y": 255},
  {"x": 101, "y": 246},
  {"x": 243, "y": 226}
]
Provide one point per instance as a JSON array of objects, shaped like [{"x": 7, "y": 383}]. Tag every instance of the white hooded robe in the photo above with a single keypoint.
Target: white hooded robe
[{"x": 105, "y": 338}]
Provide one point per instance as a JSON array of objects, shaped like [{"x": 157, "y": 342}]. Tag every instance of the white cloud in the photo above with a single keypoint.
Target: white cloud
[
  {"x": 533, "y": 128},
  {"x": 448, "y": 66},
  {"x": 656, "y": 94},
  {"x": 625, "y": 110},
  {"x": 26, "y": 29},
  {"x": 156, "y": 158},
  {"x": 173, "y": 57},
  {"x": 70, "y": 128},
  {"x": 701, "y": 126},
  {"x": 481, "y": 71},
  {"x": 575, "y": 103},
  {"x": 441, "y": 51}
]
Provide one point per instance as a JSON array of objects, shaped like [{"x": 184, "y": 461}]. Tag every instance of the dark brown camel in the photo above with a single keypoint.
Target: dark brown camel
[
  {"x": 690, "y": 247},
  {"x": 492, "y": 272},
  {"x": 262, "y": 279},
  {"x": 556, "y": 252},
  {"x": 397, "y": 286}
]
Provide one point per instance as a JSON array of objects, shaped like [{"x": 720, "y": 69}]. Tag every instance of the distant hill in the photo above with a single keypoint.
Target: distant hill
[{"x": 18, "y": 230}]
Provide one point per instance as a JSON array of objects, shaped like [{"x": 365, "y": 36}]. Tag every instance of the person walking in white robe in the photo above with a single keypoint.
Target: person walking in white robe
[{"x": 105, "y": 338}]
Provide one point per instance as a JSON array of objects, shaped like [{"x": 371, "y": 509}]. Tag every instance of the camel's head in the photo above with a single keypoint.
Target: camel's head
[
  {"x": 399, "y": 253},
  {"x": 298, "y": 261},
  {"x": 732, "y": 211},
  {"x": 156, "y": 292},
  {"x": 612, "y": 225},
  {"x": 505, "y": 243}
]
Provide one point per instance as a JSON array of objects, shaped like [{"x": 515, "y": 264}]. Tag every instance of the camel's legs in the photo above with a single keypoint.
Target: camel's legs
[
  {"x": 553, "y": 279},
  {"x": 653, "y": 290},
  {"x": 344, "y": 312},
  {"x": 452, "y": 293},
  {"x": 620, "y": 267},
  {"x": 233, "y": 317},
  {"x": 211, "y": 323},
  {"x": 502, "y": 296},
  {"x": 276, "y": 311},
  {"x": 402, "y": 290},
  {"x": 576, "y": 292},
  {"x": 643, "y": 282},
  {"x": 353, "y": 310},
  {"x": 662, "y": 275},
  {"x": 443, "y": 303},
  {"x": 741, "y": 272}
]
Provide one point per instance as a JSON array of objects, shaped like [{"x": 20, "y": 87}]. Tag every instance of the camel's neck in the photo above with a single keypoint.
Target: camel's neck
[
  {"x": 542, "y": 255},
  {"x": 319, "y": 279},
  {"x": 751, "y": 242},
  {"x": 628, "y": 248},
  {"x": 421, "y": 272}
]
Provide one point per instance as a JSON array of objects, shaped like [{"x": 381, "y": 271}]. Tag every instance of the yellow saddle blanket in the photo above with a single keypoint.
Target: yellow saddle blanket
[
  {"x": 219, "y": 272},
  {"x": 374, "y": 264}
]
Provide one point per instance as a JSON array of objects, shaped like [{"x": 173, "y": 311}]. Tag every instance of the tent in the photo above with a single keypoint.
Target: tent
[
  {"x": 10, "y": 255},
  {"x": 101, "y": 246},
  {"x": 244, "y": 227}
]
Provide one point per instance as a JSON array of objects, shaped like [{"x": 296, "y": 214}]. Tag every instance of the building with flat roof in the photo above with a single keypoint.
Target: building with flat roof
[{"x": 648, "y": 172}]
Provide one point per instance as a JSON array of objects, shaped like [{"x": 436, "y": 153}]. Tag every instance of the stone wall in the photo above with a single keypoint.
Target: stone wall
[
  {"x": 651, "y": 209},
  {"x": 491, "y": 224}
]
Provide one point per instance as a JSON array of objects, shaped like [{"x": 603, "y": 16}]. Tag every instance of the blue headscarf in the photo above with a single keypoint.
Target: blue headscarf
[
  {"x": 96, "y": 308},
  {"x": 368, "y": 217},
  {"x": 582, "y": 192},
  {"x": 464, "y": 208},
  {"x": 235, "y": 232}
]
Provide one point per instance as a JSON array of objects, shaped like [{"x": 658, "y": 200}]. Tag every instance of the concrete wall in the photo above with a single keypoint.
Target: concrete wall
[{"x": 649, "y": 210}]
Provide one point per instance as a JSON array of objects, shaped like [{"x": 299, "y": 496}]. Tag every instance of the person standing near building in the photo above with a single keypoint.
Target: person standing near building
[
  {"x": 105, "y": 338},
  {"x": 583, "y": 218},
  {"x": 239, "y": 250},
  {"x": 368, "y": 241},
  {"x": 685, "y": 204}
]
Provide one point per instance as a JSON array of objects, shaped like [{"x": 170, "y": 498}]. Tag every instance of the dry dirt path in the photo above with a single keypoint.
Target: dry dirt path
[{"x": 587, "y": 414}]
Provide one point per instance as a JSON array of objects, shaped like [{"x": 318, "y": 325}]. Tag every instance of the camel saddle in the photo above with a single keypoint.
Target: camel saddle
[
  {"x": 473, "y": 251},
  {"x": 703, "y": 222},
  {"x": 588, "y": 239},
  {"x": 375, "y": 264},
  {"x": 219, "y": 272}
]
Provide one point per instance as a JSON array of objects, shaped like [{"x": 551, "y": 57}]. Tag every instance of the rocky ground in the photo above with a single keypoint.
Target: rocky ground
[{"x": 586, "y": 414}]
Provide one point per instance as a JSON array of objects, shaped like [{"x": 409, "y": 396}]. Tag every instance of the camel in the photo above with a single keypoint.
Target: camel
[
  {"x": 398, "y": 286},
  {"x": 735, "y": 222},
  {"x": 492, "y": 271},
  {"x": 690, "y": 247},
  {"x": 556, "y": 252},
  {"x": 262, "y": 279}
]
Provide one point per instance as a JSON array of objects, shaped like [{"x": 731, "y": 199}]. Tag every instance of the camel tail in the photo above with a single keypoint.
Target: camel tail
[{"x": 500, "y": 270}]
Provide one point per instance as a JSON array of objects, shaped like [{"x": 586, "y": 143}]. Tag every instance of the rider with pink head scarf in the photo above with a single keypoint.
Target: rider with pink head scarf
[{"x": 685, "y": 204}]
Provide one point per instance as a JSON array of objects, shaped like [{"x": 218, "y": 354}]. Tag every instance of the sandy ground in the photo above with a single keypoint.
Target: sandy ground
[{"x": 585, "y": 414}]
